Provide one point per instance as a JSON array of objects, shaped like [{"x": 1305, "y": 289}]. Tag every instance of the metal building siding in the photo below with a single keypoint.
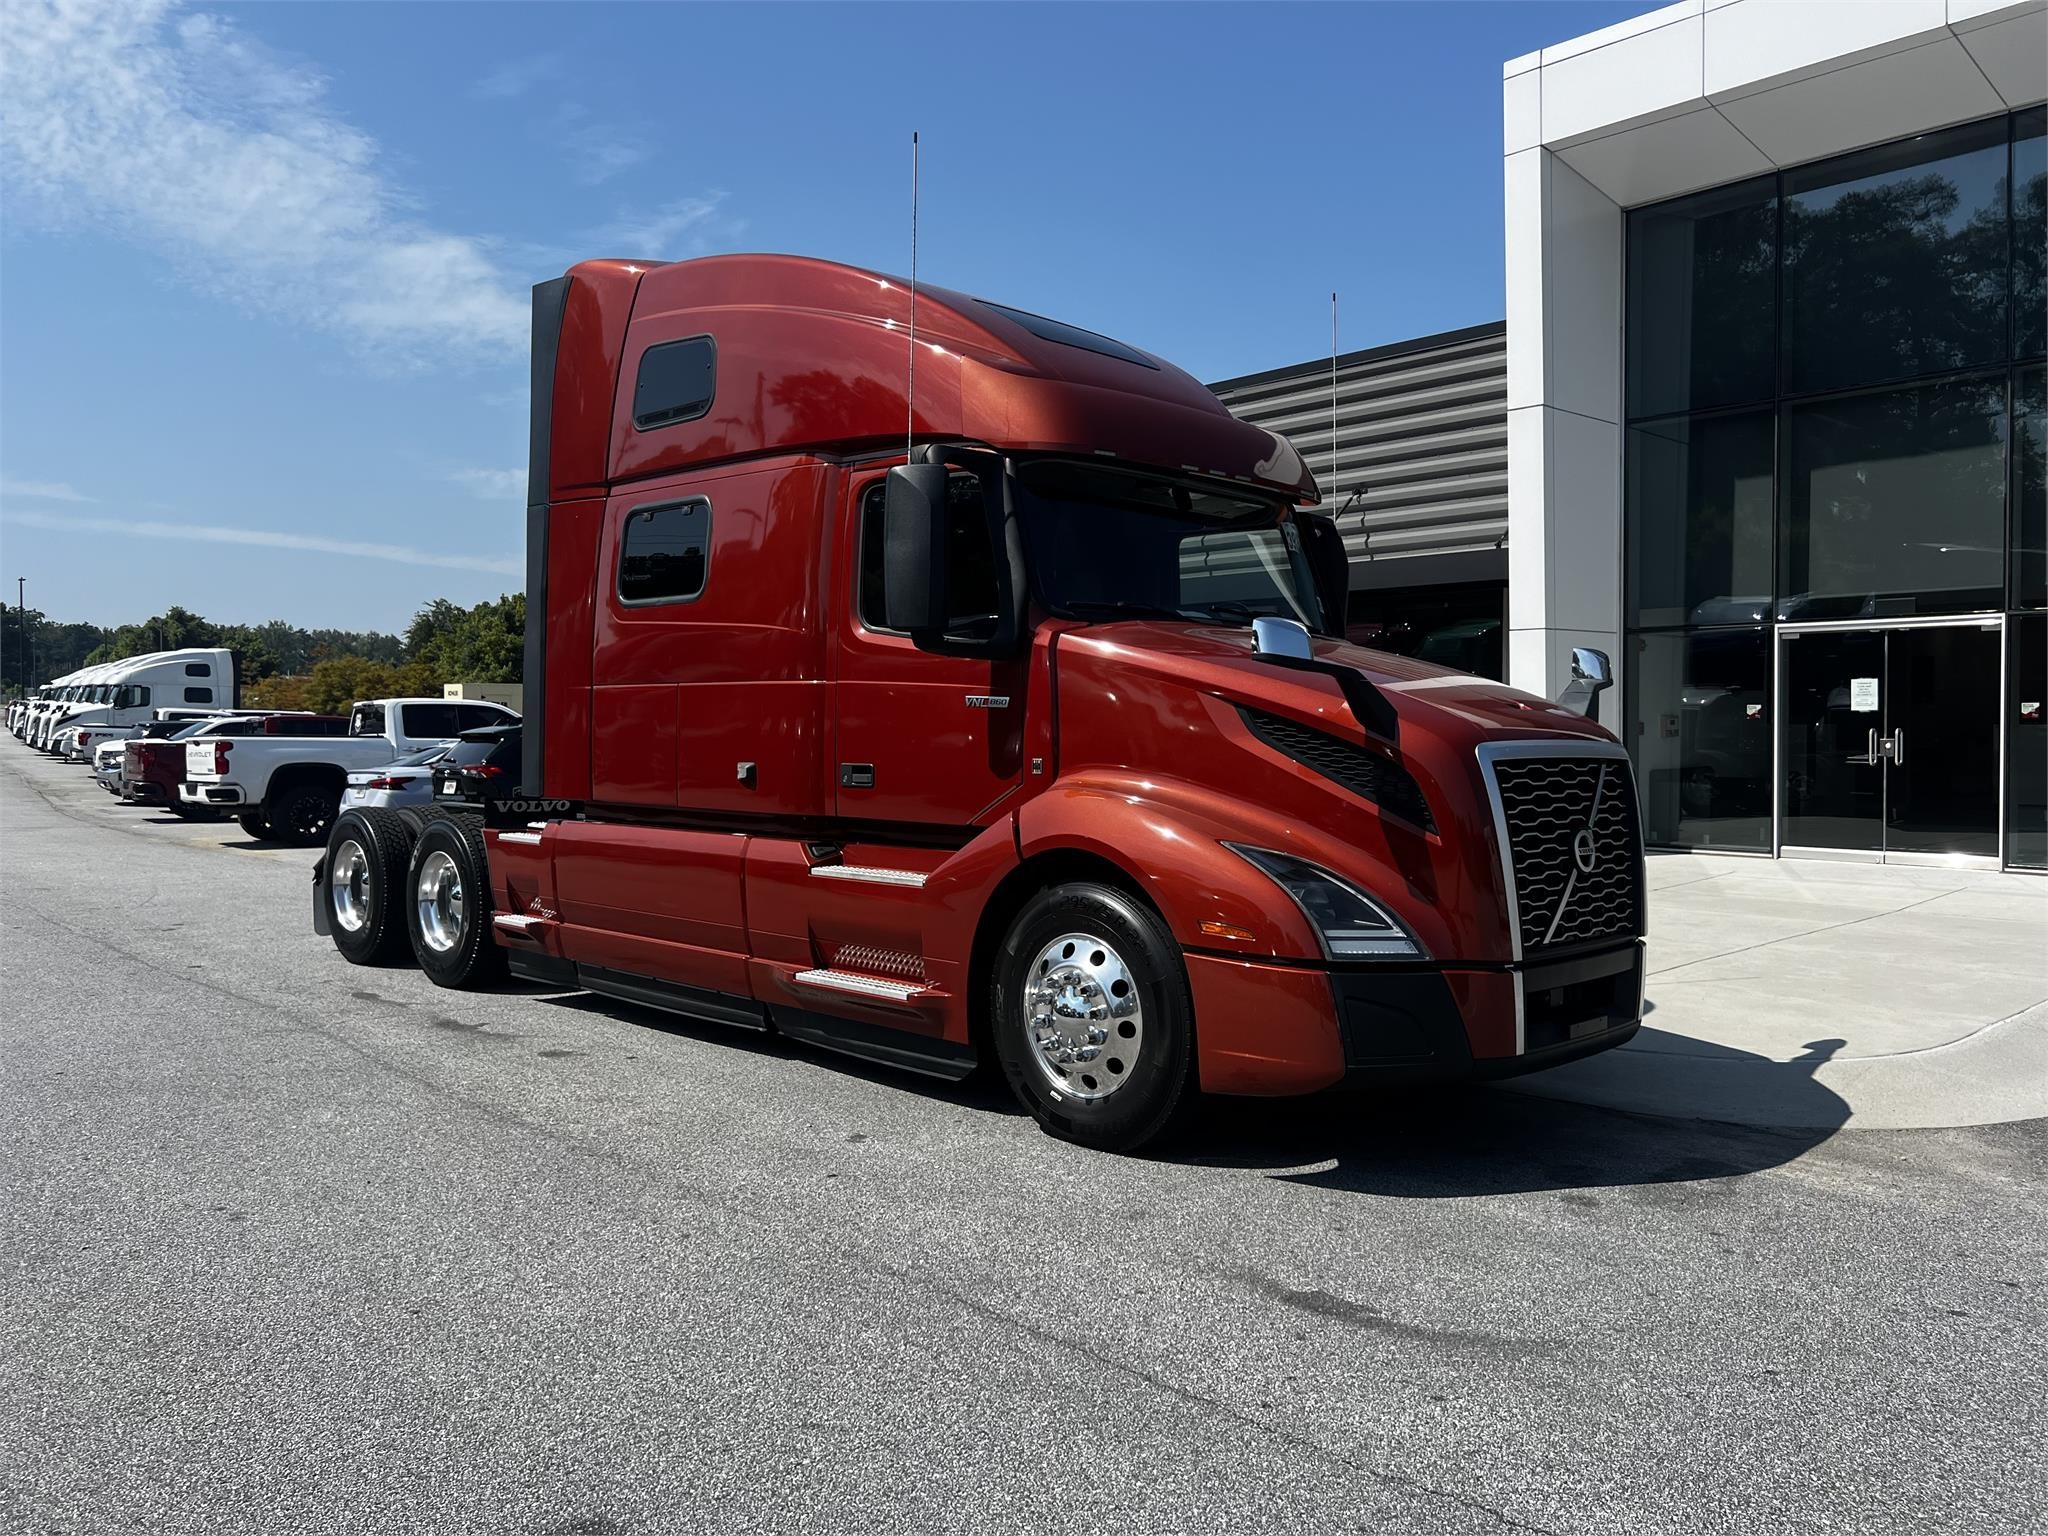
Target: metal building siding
[{"x": 1422, "y": 426}]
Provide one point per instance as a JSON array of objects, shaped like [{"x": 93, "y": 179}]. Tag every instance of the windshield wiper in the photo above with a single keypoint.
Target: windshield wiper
[
  {"x": 1229, "y": 608},
  {"x": 1122, "y": 610}
]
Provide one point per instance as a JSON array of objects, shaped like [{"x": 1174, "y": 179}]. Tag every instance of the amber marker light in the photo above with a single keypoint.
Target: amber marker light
[{"x": 1215, "y": 930}]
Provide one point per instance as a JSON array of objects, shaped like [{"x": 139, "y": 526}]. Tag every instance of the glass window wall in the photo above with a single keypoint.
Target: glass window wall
[
  {"x": 1701, "y": 490},
  {"x": 1703, "y": 737},
  {"x": 2030, "y": 232},
  {"x": 1895, "y": 260},
  {"x": 1836, "y": 411},
  {"x": 1702, "y": 300},
  {"x": 1895, "y": 502}
]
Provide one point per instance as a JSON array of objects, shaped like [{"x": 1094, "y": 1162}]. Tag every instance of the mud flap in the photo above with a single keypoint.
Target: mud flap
[{"x": 323, "y": 916}]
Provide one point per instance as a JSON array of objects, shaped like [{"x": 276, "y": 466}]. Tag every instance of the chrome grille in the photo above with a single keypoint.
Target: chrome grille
[{"x": 1571, "y": 889}]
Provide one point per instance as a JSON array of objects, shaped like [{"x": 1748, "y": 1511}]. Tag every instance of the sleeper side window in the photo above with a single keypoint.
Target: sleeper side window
[
  {"x": 663, "y": 552},
  {"x": 198, "y": 695},
  {"x": 676, "y": 382},
  {"x": 198, "y": 669}
]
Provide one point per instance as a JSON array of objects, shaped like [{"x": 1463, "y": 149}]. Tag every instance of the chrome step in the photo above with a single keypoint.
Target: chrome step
[{"x": 860, "y": 985}]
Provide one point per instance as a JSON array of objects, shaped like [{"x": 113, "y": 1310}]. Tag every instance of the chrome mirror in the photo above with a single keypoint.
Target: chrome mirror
[
  {"x": 1281, "y": 637},
  {"x": 1591, "y": 672}
]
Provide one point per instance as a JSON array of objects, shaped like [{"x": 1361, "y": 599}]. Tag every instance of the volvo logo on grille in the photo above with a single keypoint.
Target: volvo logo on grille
[{"x": 1584, "y": 853}]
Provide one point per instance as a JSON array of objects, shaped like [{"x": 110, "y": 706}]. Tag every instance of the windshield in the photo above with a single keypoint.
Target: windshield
[
  {"x": 189, "y": 730},
  {"x": 1107, "y": 543}
]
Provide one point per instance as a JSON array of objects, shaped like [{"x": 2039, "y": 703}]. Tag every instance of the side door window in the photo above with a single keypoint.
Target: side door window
[{"x": 923, "y": 739}]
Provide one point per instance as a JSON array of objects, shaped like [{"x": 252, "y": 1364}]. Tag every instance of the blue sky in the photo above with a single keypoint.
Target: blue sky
[{"x": 265, "y": 266}]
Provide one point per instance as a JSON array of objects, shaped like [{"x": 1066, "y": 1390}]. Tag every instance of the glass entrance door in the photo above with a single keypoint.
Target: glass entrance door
[{"x": 1889, "y": 741}]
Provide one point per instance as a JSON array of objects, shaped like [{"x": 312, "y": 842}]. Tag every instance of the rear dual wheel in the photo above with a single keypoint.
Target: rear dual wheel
[
  {"x": 1091, "y": 1017},
  {"x": 448, "y": 911},
  {"x": 364, "y": 884}
]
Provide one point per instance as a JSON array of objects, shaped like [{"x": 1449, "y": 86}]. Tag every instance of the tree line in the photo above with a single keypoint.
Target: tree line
[{"x": 283, "y": 666}]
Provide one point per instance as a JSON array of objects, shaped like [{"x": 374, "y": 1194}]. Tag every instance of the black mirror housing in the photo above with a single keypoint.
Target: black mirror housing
[
  {"x": 914, "y": 548},
  {"x": 1330, "y": 566}
]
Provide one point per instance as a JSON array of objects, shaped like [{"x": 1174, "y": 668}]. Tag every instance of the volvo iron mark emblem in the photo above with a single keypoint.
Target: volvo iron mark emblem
[{"x": 1584, "y": 853}]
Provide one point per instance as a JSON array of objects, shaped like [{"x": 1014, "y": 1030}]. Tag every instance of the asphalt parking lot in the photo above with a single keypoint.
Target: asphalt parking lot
[{"x": 287, "y": 1246}]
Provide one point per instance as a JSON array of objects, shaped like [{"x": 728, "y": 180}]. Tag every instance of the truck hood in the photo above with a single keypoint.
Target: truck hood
[{"x": 1438, "y": 700}]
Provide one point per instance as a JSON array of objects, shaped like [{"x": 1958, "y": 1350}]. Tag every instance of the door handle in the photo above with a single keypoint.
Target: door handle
[
  {"x": 1894, "y": 747},
  {"x": 1869, "y": 756}
]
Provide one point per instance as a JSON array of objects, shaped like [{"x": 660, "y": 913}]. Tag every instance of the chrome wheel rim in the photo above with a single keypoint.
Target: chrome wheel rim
[
  {"x": 442, "y": 910},
  {"x": 1082, "y": 1017},
  {"x": 348, "y": 886}
]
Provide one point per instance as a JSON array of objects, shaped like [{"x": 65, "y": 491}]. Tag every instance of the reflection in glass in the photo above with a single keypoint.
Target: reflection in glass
[
  {"x": 2030, "y": 488},
  {"x": 2026, "y": 742},
  {"x": 1895, "y": 503},
  {"x": 1701, "y": 300},
  {"x": 1699, "y": 520},
  {"x": 1895, "y": 260},
  {"x": 1703, "y": 737},
  {"x": 2030, "y": 232}
]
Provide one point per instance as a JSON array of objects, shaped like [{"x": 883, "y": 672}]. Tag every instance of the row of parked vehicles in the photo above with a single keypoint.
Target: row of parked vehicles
[{"x": 284, "y": 775}]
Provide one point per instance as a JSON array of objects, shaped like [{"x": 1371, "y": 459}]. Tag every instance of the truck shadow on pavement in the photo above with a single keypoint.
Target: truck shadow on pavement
[
  {"x": 1497, "y": 1140},
  {"x": 1435, "y": 1144}
]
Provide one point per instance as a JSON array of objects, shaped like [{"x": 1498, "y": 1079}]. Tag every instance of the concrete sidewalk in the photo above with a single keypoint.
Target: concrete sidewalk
[{"x": 1808, "y": 994}]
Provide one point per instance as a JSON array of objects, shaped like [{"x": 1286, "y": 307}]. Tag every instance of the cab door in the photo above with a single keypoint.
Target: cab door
[{"x": 923, "y": 741}]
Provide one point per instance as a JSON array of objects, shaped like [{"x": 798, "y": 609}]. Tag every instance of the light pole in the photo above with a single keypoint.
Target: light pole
[{"x": 21, "y": 623}]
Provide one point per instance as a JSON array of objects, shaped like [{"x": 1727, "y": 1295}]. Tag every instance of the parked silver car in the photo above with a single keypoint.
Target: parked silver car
[{"x": 409, "y": 781}]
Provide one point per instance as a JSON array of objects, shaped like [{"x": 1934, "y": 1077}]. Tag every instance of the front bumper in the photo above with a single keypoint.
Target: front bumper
[
  {"x": 210, "y": 794},
  {"x": 1266, "y": 1029}
]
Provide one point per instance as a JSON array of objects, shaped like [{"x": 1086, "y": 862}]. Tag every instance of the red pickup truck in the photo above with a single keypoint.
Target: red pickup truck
[{"x": 1021, "y": 735}]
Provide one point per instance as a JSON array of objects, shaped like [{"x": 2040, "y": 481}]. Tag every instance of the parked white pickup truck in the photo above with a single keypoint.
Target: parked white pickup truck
[{"x": 285, "y": 789}]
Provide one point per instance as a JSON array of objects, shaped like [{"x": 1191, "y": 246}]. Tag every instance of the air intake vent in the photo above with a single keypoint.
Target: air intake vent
[{"x": 1366, "y": 774}]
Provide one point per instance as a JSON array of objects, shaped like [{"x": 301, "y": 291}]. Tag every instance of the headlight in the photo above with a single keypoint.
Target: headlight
[{"x": 1351, "y": 925}]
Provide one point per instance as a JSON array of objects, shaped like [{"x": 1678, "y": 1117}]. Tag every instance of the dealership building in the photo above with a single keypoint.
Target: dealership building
[{"x": 1768, "y": 423}]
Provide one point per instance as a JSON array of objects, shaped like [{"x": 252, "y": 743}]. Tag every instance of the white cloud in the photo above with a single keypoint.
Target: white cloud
[
  {"x": 40, "y": 490},
  {"x": 514, "y": 78},
  {"x": 597, "y": 152},
  {"x": 660, "y": 233},
  {"x": 202, "y": 533},
  {"x": 174, "y": 129},
  {"x": 492, "y": 484}
]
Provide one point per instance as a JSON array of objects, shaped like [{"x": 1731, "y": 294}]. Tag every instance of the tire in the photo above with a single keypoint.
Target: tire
[
  {"x": 363, "y": 882},
  {"x": 252, "y": 822},
  {"x": 449, "y": 877},
  {"x": 1119, "y": 970},
  {"x": 302, "y": 815}
]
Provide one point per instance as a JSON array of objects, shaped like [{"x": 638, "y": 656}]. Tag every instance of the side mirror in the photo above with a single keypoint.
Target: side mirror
[
  {"x": 914, "y": 548},
  {"x": 1330, "y": 567},
  {"x": 1591, "y": 673}
]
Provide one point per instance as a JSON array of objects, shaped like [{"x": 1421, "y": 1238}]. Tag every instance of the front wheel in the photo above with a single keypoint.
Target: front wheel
[
  {"x": 1091, "y": 1017},
  {"x": 449, "y": 910}
]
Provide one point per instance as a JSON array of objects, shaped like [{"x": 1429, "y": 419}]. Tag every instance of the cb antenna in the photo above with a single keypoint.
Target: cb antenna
[{"x": 910, "y": 380}]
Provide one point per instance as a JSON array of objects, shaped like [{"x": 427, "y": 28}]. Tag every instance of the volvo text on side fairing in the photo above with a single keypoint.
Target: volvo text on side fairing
[{"x": 1027, "y": 745}]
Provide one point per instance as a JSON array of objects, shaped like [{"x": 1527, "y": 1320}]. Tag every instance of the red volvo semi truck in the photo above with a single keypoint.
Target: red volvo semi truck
[{"x": 988, "y": 707}]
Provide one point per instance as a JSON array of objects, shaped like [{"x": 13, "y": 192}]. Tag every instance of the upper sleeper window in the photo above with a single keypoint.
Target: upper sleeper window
[
  {"x": 677, "y": 380},
  {"x": 663, "y": 552},
  {"x": 1072, "y": 335},
  {"x": 198, "y": 669}
]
